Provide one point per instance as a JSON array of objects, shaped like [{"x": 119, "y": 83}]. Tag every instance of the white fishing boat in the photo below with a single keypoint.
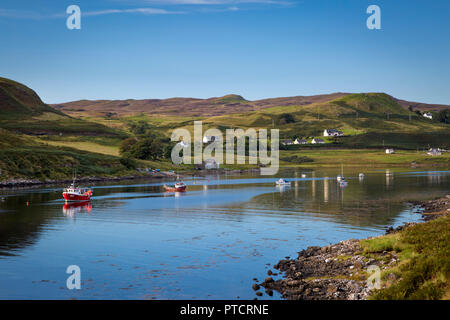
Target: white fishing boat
[{"x": 282, "y": 182}]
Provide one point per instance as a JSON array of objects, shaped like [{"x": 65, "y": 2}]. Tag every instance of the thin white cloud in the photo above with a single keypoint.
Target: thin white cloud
[
  {"x": 230, "y": 5},
  {"x": 136, "y": 10},
  {"x": 29, "y": 15},
  {"x": 215, "y": 9}
]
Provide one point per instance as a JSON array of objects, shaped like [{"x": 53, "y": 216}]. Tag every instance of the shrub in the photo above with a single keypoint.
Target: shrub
[
  {"x": 444, "y": 116},
  {"x": 129, "y": 163},
  {"x": 126, "y": 145},
  {"x": 285, "y": 118}
]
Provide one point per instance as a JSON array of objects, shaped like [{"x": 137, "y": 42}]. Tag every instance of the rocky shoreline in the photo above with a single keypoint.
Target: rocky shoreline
[
  {"x": 22, "y": 182},
  {"x": 338, "y": 271}
]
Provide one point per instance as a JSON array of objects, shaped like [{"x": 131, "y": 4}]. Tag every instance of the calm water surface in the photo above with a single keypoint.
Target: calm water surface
[{"x": 133, "y": 241}]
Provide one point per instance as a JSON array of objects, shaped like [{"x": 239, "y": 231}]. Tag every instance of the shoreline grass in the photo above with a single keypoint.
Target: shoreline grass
[{"x": 423, "y": 270}]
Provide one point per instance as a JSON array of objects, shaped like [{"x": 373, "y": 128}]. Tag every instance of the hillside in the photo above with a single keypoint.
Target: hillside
[
  {"x": 22, "y": 111},
  {"x": 192, "y": 107},
  {"x": 19, "y": 102},
  {"x": 40, "y": 143},
  {"x": 367, "y": 120},
  {"x": 43, "y": 142},
  {"x": 23, "y": 157}
]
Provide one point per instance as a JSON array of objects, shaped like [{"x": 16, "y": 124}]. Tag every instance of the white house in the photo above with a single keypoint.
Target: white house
[
  {"x": 183, "y": 144},
  {"x": 428, "y": 115},
  {"x": 434, "y": 152},
  {"x": 300, "y": 141},
  {"x": 332, "y": 133},
  {"x": 389, "y": 151},
  {"x": 317, "y": 140},
  {"x": 287, "y": 142},
  {"x": 207, "y": 139},
  {"x": 210, "y": 164}
]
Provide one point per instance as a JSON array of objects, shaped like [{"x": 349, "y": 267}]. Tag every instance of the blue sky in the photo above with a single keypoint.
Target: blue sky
[{"x": 204, "y": 48}]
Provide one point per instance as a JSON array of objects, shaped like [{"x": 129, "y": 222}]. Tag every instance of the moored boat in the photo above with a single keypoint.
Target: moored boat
[
  {"x": 340, "y": 177},
  {"x": 282, "y": 182},
  {"x": 73, "y": 193},
  {"x": 177, "y": 187}
]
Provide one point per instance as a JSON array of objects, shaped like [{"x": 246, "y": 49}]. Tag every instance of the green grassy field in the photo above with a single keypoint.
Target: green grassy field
[
  {"x": 86, "y": 146},
  {"x": 365, "y": 157}
]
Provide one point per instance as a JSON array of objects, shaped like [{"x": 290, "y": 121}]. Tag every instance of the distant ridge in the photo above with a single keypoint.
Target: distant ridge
[
  {"x": 228, "y": 104},
  {"x": 422, "y": 106},
  {"x": 216, "y": 106}
]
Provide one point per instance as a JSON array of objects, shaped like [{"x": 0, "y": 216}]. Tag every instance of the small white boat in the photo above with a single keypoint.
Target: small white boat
[
  {"x": 282, "y": 182},
  {"x": 340, "y": 177}
]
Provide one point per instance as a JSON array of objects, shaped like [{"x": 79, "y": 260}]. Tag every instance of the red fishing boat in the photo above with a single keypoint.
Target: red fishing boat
[
  {"x": 177, "y": 187},
  {"x": 73, "y": 193}
]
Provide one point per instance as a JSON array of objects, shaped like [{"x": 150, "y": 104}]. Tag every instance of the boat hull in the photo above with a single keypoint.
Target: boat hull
[
  {"x": 76, "y": 197},
  {"x": 173, "y": 189}
]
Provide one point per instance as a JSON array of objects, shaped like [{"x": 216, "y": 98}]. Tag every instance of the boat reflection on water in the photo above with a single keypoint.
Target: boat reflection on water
[
  {"x": 175, "y": 194},
  {"x": 343, "y": 184},
  {"x": 73, "y": 208},
  {"x": 283, "y": 188}
]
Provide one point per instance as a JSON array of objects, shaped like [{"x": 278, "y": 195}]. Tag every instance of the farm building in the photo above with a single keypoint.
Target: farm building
[
  {"x": 332, "y": 133},
  {"x": 428, "y": 115},
  {"x": 317, "y": 141},
  {"x": 434, "y": 152},
  {"x": 287, "y": 142},
  {"x": 183, "y": 144},
  {"x": 300, "y": 141}
]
